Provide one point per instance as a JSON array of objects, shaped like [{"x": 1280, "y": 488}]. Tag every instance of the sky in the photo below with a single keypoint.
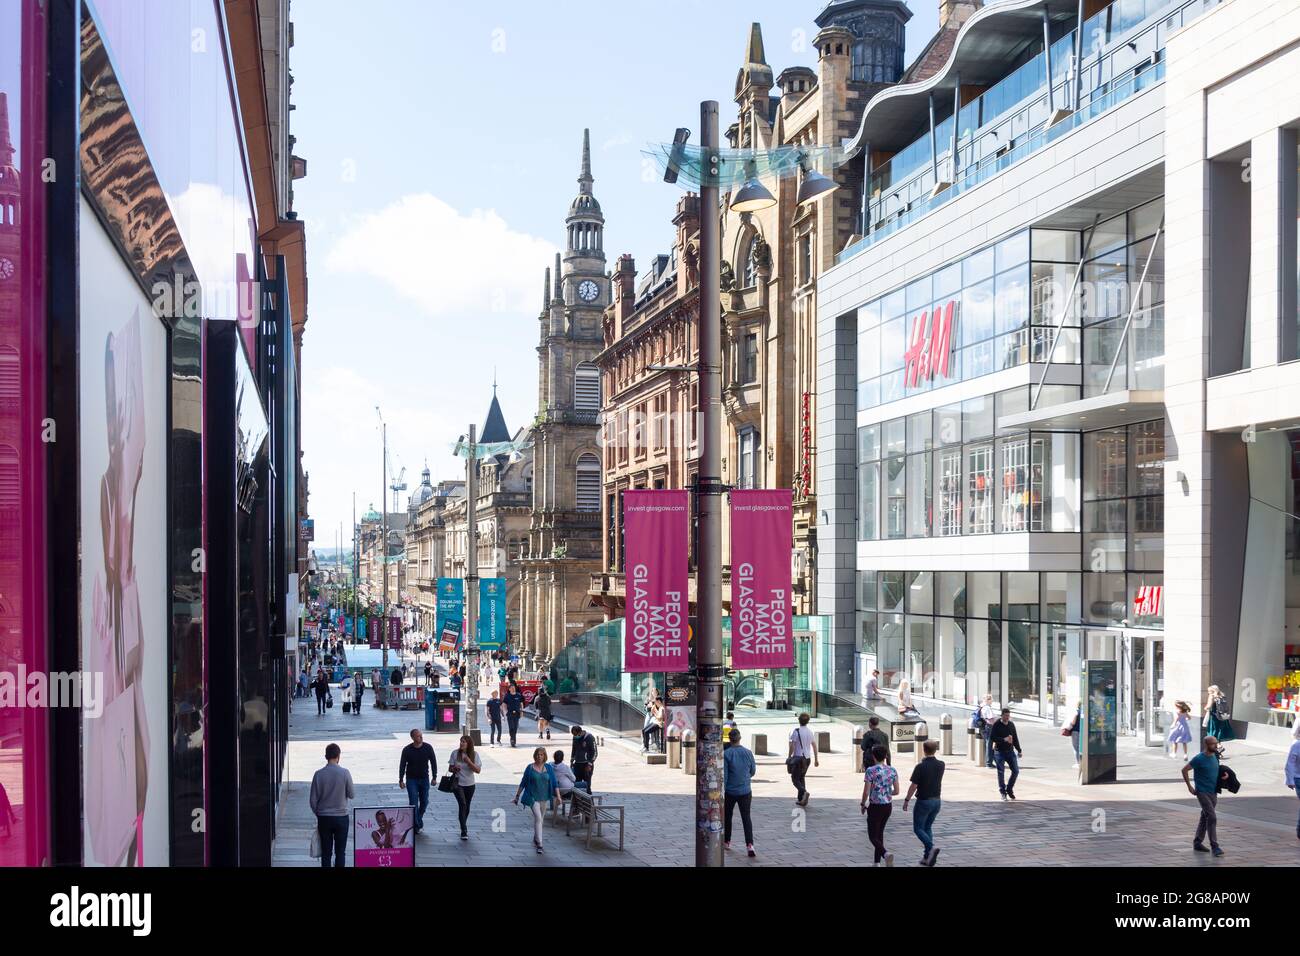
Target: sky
[{"x": 443, "y": 142}]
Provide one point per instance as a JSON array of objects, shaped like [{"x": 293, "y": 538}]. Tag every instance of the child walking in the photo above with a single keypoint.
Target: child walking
[{"x": 1181, "y": 732}]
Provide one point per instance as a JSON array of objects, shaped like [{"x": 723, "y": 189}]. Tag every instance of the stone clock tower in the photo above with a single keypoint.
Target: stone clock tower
[
  {"x": 564, "y": 538},
  {"x": 10, "y": 226}
]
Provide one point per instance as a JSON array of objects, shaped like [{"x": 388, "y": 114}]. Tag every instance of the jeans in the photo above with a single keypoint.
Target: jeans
[
  {"x": 333, "y": 839},
  {"x": 417, "y": 791},
  {"x": 1209, "y": 822},
  {"x": 464, "y": 797},
  {"x": 923, "y": 815},
  {"x": 797, "y": 777},
  {"x": 583, "y": 771},
  {"x": 512, "y": 720},
  {"x": 877, "y": 817},
  {"x": 1003, "y": 759},
  {"x": 730, "y": 802},
  {"x": 494, "y": 736},
  {"x": 987, "y": 731},
  {"x": 320, "y": 703},
  {"x": 648, "y": 734}
]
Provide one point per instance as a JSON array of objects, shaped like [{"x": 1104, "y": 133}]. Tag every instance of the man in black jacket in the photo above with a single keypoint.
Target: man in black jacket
[
  {"x": 582, "y": 755},
  {"x": 322, "y": 686},
  {"x": 1006, "y": 749},
  {"x": 514, "y": 705},
  {"x": 418, "y": 764}
]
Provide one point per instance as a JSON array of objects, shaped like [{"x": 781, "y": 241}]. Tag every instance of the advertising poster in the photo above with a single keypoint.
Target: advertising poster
[
  {"x": 491, "y": 613},
  {"x": 761, "y": 529},
  {"x": 679, "y": 702},
  {"x": 656, "y": 535},
  {"x": 375, "y": 634},
  {"x": 124, "y": 593},
  {"x": 383, "y": 836},
  {"x": 394, "y": 631},
  {"x": 450, "y": 612}
]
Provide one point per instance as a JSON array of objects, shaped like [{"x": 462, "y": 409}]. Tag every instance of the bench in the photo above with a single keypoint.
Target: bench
[{"x": 593, "y": 813}]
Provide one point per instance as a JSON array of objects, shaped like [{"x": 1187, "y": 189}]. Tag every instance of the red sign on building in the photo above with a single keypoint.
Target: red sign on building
[
  {"x": 927, "y": 355},
  {"x": 1148, "y": 600}
]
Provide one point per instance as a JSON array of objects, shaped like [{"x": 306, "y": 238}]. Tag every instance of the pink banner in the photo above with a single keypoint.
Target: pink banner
[
  {"x": 656, "y": 535},
  {"x": 383, "y": 836},
  {"x": 761, "y": 627}
]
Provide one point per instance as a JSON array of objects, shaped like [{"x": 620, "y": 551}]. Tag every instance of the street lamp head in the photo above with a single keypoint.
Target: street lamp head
[
  {"x": 814, "y": 186},
  {"x": 752, "y": 196}
]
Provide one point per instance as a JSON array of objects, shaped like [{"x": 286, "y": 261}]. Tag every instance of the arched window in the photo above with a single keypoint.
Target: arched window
[
  {"x": 586, "y": 388},
  {"x": 587, "y": 483}
]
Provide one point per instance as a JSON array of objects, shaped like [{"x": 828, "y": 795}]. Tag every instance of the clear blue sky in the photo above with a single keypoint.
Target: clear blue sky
[{"x": 443, "y": 141}]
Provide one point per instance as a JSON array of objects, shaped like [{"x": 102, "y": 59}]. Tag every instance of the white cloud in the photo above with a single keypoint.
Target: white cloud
[
  {"x": 622, "y": 139},
  {"x": 447, "y": 262}
]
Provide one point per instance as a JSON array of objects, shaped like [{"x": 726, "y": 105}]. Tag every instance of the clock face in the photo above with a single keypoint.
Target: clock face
[
  {"x": 6, "y": 268},
  {"x": 588, "y": 291}
]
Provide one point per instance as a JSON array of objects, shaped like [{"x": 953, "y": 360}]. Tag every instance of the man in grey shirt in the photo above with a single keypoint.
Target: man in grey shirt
[{"x": 331, "y": 789}]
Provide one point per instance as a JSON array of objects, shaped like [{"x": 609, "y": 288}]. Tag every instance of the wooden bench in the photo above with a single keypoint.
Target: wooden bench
[{"x": 593, "y": 813}]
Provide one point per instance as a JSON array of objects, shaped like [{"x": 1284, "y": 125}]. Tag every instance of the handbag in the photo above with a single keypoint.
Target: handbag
[
  {"x": 314, "y": 847},
  {"x": 329, "y": 701},
  {"x": 447, "y": 783}
]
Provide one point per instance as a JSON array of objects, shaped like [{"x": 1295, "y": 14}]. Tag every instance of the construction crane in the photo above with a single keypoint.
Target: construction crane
[{"x": 398, "y": 484}]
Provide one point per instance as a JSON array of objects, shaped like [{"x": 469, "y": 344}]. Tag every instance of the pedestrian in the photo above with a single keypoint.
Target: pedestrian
[
  {"x": 582, "y": 756},
  {"x": 1216, "y": 719},
  {"x": 1292, "y": 769},
  {"x": 728, "y": 726},
  {"x": 345, "y": 687},
  {"x": 875, "y": 737},
  {"x": 1072, "y": 730},
  {"x": 494, "y": 719},
  {"x": 906, "y": 705},
  {"x": 416, "y": 768},
  {"x": 514, "y": 705},
  {"x": 1006, "y": 750},
  {"x": 360, "y": 692},
  {"x": 543, "y": 704},
  {"x": 926, "y": 786},
  {"x": 1181, "y": 732},
  {"x": 650, "y": 725},
  {"x": 463, "y": 766},
  {"x": 564, "y": 778},
  {"x": 879, "y": 787},
  {"x": 1205, "y": 767},
  {"x": 801, "y": 751},
  {"x": 873, "y": 685},
  {"x": 322, "y": 687},
  {"x": 988, "y": 717},
  {"x": 428, "y": 672},
  {"x": 738, "y": 770},
  {"x": 538, "y": 789},
  {"x": 331, "y": 789},
  {"x": 304, "y": 683}
]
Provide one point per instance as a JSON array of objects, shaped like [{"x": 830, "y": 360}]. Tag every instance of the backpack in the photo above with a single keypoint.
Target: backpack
[{"x": 976, "y": 722}]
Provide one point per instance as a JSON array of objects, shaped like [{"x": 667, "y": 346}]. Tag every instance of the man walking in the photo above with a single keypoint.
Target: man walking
[
  {"x": 514, "y": 704},
  {"x": 988, "y": 717},
  {"x": 873, "y": 685},
  {"x": 873, "y": 738},
  {"x": 1205, "y": 766},
  {"x": 331, "y": 789},
  {"x": 738, "y": 769},
  {"x": 1006, "y": 750},
  {"x": 494, "y": 719},
  {"x": 927, "y": 783},
  {"x": 582, "y": 755},
  {"x": 801, "y": 752},
  {"x": 322, "y": 686},
  {"x": 413, "y": 773}
]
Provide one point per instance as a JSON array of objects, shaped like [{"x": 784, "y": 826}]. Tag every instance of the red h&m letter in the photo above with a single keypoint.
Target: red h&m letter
[
  {"x": 940, "y": 341},
  {"x": 916, "y": 352}
]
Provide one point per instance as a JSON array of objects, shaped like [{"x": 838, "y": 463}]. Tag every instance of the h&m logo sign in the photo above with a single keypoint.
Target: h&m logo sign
[{"x": 928, "y": 354}]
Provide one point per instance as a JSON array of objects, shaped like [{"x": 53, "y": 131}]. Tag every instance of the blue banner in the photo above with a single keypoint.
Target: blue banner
[
  {"x": 491, "y": 613},
  {"x": 450, "y": 617}
]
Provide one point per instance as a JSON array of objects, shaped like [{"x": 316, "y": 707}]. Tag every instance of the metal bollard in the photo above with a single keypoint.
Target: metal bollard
[
  {"x": 858, "y": 733},
  {"x": 918, "y": 741},
  {"x": 976, "y": 753},
  {"x": 688, "y": 752},
  {"x": 674, "y": 747},
  {"x": 945, "y": 735}
]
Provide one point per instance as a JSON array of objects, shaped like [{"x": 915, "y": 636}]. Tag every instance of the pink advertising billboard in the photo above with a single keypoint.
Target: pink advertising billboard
[
  {"x": 656, "y": 534},
  {"x": 761, "y": 629},
  {"x": 383, "y": 836}
]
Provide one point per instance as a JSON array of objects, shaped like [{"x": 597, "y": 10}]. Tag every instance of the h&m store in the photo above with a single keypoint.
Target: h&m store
[{"x": 1036, "y": 412}]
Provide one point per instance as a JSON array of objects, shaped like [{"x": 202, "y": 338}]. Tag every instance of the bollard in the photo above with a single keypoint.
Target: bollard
[
  {"x": 758, "y": 744},
  {"x": 823, "y": 741},
  {"x": 918, "y": 741},
  {"x": 945, "y": 735},
  {"x": 976, "y": 753},
  {"x": 688, "y": 752},
  {"x": 858, "y": 732},
  {"x": 674, "y": 745}
]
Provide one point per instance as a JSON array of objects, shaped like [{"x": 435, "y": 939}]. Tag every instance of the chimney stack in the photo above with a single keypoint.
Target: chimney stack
[
  {"x": 624, "y": 290},
  {"x": 953, "y": 13}
]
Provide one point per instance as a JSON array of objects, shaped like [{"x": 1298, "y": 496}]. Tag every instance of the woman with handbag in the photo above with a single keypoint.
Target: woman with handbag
[
  {"x": 538, "y": 790},
  {"x": 1216, "y": 719},
  {"x": 464, "y": 764}
]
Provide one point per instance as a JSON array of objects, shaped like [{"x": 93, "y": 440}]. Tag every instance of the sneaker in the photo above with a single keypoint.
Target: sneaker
[
  {"x": 934, "y": 856},
  {"x": 1004, "y": 797},
  {"x": 1200, "y": 848},
  {"x": 1218, "y": 851},
  {"x": 749, "y": 848},
  {"x": 539, "y": 848},
  {"x": 889, "y": 859},
  {"x": 726, "y": 845},
  {"x": 464, "y": 835},
  {"x": 1011, "y": 794}
]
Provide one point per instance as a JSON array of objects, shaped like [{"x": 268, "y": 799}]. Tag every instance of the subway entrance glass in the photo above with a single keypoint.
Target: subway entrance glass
[{"x": 1139, "y": 682}]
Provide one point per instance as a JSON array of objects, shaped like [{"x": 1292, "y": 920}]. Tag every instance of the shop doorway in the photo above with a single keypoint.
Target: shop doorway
[{"x": 1139, "y": 661}]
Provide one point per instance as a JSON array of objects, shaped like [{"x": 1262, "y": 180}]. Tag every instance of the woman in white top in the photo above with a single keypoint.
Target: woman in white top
[
  {"x": 463, "y": 765},
  {"x": 905, "y": 697},
  {"x": 346, "y": 687}
]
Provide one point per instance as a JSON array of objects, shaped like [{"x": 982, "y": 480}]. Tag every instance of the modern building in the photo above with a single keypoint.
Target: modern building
[
  {"x": 1021, "y": 464},
  {"x": 563, "y": 546}
]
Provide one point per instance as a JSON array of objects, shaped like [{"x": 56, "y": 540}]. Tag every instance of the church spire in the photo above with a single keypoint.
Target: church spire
[
  {"x": 546, "y": 290},
  {"x": 6, "y": 143},
  {"x": 584, "y": 177},
  {"x": 754, "y": 52},
  {"x": 559, "y": 287}
]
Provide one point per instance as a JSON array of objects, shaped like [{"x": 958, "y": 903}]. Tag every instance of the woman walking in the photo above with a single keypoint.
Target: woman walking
[
  {"x": 650, "y": 727},
  {"x": 1216, "y": 717},
  {"x": 538, "y": 789},
  {"x": 1181, "y": 731},
  {"x": 879, "y": 787},
  {"x": 542, "y": 701},
  {"x": 464, "y": 764}
]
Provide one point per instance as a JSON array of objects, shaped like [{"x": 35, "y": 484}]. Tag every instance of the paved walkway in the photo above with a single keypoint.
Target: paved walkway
[{"x": 1145, "y": 820}]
